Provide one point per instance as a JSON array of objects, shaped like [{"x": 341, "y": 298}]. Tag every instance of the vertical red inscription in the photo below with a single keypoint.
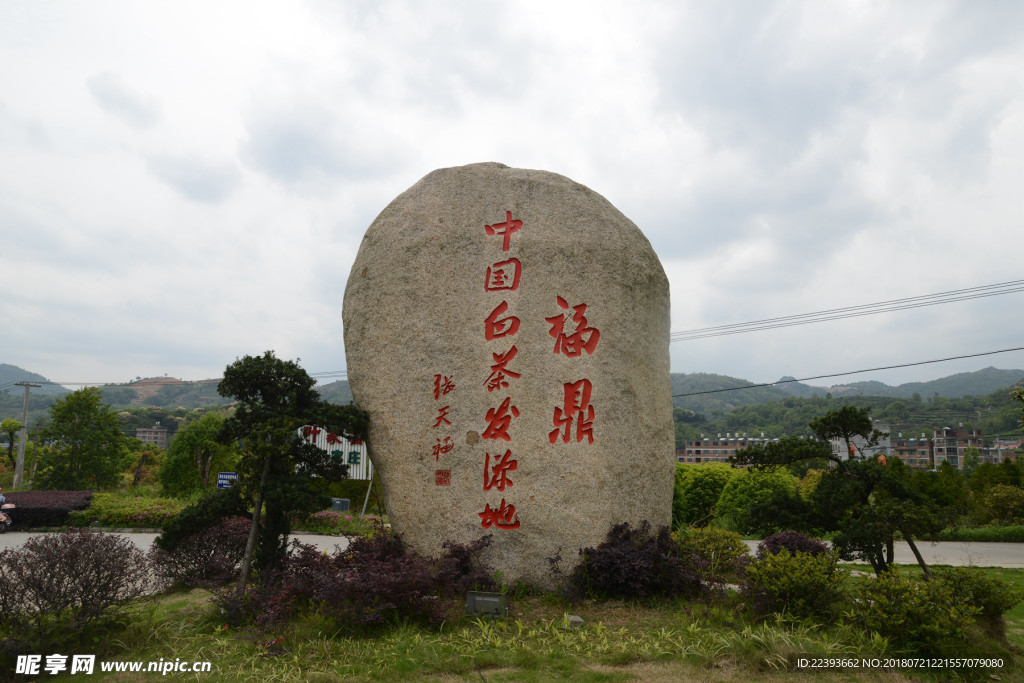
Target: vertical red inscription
[
  {"x": 582, "y": 339},
  {"x": 442, "y": 385},
  {"x": 497, "y": 476},
  {"x": 442, "y": 416},
  {"x": 495, "y": 326},
  {"x": 504, "y": 517},
  {"x": 503, "y": 275},
  {"x": 443, "y": 448},
  {"x": 499, "y": 371},
  {"x": 499, "y": 419},
  {"x": 575, "y": 406},
  {"x": 505, "y": 230}
]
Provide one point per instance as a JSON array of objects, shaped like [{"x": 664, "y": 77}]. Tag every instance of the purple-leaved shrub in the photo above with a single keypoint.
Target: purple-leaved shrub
[{"x": 208, "y": 558}]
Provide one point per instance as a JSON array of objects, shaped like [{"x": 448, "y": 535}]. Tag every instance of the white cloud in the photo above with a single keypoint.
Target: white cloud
[
  {"x": 125, "y": 103},
  {"x": 196, "y": 179}
]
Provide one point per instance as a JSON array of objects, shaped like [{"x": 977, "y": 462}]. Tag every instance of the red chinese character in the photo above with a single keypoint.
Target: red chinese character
[
  {"x": 332, "y": 438},
  {"x": 583, "y": 339},
  {"x": 310, "y": 432},
  {"x": 442, "y": 385},
  {"x": 503, "y": 275},
  {"x": 494, "y": 328},
  {"x": 442, "y": 416},
  {"x": 576, "y": 405},
  {"x": 499, "y": 473},
  {"x": 442, "y": 448},
  {"x": 499, "y": 372},
  {"x": 443, "y": 477},
  {"x": 504, "y": 229},
  {"x": 498, "y": 421},
  {"x": 504, "y": 517}
]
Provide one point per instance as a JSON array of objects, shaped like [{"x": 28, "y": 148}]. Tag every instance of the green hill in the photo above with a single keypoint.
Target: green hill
[
  {"x": 9, "y": 374},
  {"x": 708, "y": 393}
]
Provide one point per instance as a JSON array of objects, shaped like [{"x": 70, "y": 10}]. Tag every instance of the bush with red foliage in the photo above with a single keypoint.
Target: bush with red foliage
[
  {"x": 634, "y": 563},
  {"x": 45, "y": 508},
  {"x": 793, "y": 541},
  {"x": 58, "y": 587},
  {"x": 208, "y": 558},
  {"x": 375, "y": 581}
]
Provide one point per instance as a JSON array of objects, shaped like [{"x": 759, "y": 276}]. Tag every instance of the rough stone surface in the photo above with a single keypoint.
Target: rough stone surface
[{"x": 424, "y": 284}]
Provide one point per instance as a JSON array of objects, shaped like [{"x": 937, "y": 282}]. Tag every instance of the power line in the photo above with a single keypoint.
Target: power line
[
  {"x": 851, "y": 372},
  {"x": 852, "y": 311}
]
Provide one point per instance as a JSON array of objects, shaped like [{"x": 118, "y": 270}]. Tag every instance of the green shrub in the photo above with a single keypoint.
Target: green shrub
[
  {"x": 1002, "y": 505},
  {"x": 111, "y": 509},
  {"x": 696, "y": 492},
  {"x": 333, "y": 523},
  {"x": 799, "y": 584},
  {"x": 209, "y": 510},
  {"x": 751, "y": 488},
  {"x": 926, "y": 618},
  {"x": 986, "y": 534},
  {"x": 989, "y": 594},
  {"x": 721, "y": 551}
]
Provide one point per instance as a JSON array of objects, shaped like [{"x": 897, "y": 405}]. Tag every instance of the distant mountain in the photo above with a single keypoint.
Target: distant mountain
[
  {"x": 707, "y": 400},
  {"x": 703, "y": 391},
  {"x": 10, "y": 374},
  {"x": 794, "y": 388},
  {"x": 977, "y": 383},
  {"x": 706, "y": 393},
  {"x": 336, "y": 392}
]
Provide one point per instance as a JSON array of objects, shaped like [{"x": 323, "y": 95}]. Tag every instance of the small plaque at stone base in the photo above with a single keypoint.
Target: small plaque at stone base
[{"x": 488, "y": 604}]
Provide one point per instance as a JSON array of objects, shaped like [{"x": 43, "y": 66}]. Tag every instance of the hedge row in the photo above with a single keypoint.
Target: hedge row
[{"x": 46, "y": 508}]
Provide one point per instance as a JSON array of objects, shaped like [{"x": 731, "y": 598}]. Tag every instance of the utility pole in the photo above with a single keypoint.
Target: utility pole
[{"x": 19, "y": 467}]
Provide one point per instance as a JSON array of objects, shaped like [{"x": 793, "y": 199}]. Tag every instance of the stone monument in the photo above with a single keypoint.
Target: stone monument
[{"x": 507, "y": 331}]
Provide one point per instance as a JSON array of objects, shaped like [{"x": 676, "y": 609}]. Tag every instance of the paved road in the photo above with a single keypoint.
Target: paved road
[
  {"x": 14, "y": 539},
  {"x": 957, "y": 554}
]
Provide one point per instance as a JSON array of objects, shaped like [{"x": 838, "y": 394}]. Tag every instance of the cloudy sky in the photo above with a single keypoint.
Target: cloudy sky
[{"x": 184, "y": 183}]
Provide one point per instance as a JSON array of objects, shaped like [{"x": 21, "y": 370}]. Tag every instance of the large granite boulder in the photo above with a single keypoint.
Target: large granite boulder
[{"x": 507, "y": 331}]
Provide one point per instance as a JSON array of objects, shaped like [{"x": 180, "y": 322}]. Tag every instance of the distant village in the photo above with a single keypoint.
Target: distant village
[{"x": 925, "y": 452}]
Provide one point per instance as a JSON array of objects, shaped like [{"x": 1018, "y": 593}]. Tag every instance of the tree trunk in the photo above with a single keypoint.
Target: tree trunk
[
  {"x": 917, "y": 554},
  {"x": 889, "y": 543},
  {"x": 203, "y": 464},
  {"x": 250, "y": 545},
  {"x": 138, "y": 470}
]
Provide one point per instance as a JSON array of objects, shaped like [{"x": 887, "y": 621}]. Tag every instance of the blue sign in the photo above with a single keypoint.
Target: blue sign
[{"x": 226, "y": 479}]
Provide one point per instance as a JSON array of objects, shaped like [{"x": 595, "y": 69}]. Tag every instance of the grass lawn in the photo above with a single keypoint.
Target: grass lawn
[{"x": 713, "y": 641}]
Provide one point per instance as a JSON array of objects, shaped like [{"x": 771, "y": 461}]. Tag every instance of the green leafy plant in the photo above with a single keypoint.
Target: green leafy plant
[
  {"x": 986, "y": 534},
  {"x": 696, "y": 492},
  {"x": 992, "y": 596},
  {"x": 114, "y": 510},
  {"x": 334, "y": 523},
  {"x": 800, "y": 584},
  {"x": 212, "y": 507},
  {"x": 721, "y": 551},
  {"x": 927, "y": 618}
]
